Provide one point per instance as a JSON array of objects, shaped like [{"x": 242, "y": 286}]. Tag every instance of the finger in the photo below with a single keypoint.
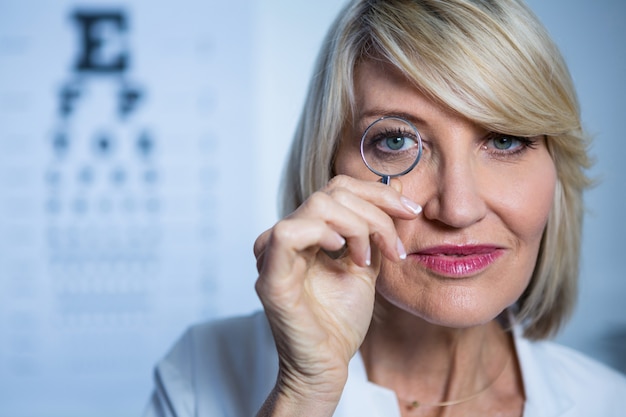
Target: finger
[
  {"x": 344, "y": 220},
  {"x": 261, "y": 242},
  {"x": 396, "y": 184},
  {"x": 291, "y": 249},
  {"x": 297, "y": 237},
  {"x": 260, "y": 245},
  {"x": 387, "y": 197},
  {"x": 380, "y": 226}
]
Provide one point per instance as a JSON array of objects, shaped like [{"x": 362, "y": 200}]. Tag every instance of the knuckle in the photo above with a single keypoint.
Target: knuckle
[
  {"x": 260, "y": 243},
  {"x": 283, "y": 231},
  {"x": 339, "y": 194},
  {"x": 339, "y": 181},
  {"x": 336, "y": 180},
  {"x": 259, "y": 286},
  {"x": 318, "y": 202},
  {"x": 263, "y": 291},
  {"x": 340, "y": 189}
]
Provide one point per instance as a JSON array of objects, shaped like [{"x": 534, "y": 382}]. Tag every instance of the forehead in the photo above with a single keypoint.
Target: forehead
[
  {"x": 382, "y": 89},
  {"x": 380, "y": 82}
]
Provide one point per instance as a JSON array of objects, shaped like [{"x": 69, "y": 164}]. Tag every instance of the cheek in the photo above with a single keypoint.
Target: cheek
[
  {"x": 528, "y": 201},
  {"x": 519, "y": 202},
  {"x": 348, "y": 162}
]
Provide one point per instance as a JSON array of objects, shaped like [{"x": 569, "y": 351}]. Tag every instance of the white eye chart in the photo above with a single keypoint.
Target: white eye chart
[{"x": 126, "y": 163}]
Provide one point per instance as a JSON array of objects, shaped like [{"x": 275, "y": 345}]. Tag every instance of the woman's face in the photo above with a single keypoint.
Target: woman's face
[{"x": 485, "y": 196}]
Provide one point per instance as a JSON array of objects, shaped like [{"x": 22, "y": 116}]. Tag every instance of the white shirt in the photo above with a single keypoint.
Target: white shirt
[{"x": 226, "y": 368}]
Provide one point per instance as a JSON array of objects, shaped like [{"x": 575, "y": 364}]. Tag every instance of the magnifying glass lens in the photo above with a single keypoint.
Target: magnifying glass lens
[{"x": 391, "y": 147}]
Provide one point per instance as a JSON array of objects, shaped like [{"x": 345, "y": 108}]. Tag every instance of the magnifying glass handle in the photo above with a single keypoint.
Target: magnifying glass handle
[{"x": 385, "y": 179}]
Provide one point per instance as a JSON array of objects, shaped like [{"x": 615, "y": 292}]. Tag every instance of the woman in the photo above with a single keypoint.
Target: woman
[{"x": 432, "y": 295}]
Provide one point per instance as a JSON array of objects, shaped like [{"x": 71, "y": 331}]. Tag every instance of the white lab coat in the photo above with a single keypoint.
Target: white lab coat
[{"x": 227, "y": 368}]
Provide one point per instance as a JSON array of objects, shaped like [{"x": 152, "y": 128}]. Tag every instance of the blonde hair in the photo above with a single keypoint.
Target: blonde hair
[{"x": 492, "y": 62}]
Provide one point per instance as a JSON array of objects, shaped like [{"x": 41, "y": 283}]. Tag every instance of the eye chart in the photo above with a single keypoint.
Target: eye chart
[{"x": 125, "y": 164}]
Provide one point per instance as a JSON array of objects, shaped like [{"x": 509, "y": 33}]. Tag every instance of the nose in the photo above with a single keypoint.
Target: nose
[{"x": 457, "y": 198}]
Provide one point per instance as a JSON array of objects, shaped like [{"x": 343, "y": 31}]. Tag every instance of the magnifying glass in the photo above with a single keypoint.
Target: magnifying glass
[{"x": 391, "y": 147}]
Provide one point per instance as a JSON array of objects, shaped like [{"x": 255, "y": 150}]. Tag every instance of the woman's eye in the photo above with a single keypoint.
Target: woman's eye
[
  {"x": 507, "y": 143},
  {"x": 504, "y": 143},
  {"x": 395, "y": 143}
]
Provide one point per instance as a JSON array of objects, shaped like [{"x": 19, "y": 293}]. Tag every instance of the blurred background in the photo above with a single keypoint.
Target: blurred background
[{"x": 141, "y": 144}]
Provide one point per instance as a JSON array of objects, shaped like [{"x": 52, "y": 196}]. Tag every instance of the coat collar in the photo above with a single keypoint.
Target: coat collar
[
  {"x": 363, "y": 398},
  {"x": 544, "y": 394},
  {"x": 544, "y": 398}
]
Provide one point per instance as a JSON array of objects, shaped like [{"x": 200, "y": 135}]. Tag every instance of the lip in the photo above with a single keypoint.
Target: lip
[{"x": 458, "y": 261}]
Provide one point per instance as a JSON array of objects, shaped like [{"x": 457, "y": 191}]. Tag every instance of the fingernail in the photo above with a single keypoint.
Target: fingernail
[
  {"x": 368, "y": 256},
  {"x": 401, "y": 250},
  {"x": 411, "y": 205}
]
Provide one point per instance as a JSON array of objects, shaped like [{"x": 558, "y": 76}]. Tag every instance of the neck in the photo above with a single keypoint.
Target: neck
[{"x": 432, "y": 364}]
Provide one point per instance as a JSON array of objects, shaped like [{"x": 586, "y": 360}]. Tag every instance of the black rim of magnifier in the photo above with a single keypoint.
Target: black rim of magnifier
[{"x": 385, "y": 177}]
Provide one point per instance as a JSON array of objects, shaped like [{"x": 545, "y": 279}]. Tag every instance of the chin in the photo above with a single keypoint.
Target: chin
[{"x": 454, "y": 308}]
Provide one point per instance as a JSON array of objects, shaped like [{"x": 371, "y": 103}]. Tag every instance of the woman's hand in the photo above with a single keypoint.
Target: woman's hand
[{"x": 320, "y": 308}]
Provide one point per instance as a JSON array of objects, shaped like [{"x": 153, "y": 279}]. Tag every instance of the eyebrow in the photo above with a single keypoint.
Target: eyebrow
[{"x": 377, "y": 113}]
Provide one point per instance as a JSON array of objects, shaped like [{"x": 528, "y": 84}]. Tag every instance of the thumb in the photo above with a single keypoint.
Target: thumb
[{"x": 396, "y": 184}]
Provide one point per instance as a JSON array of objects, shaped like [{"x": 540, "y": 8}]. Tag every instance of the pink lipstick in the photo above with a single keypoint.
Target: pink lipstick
[{"x": 458, "y": 261}]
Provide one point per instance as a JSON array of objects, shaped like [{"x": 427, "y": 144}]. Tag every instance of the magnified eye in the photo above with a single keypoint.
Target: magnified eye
[
  {"x": 393, "y": 141},
  {"x": 390, "y": 147}
]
